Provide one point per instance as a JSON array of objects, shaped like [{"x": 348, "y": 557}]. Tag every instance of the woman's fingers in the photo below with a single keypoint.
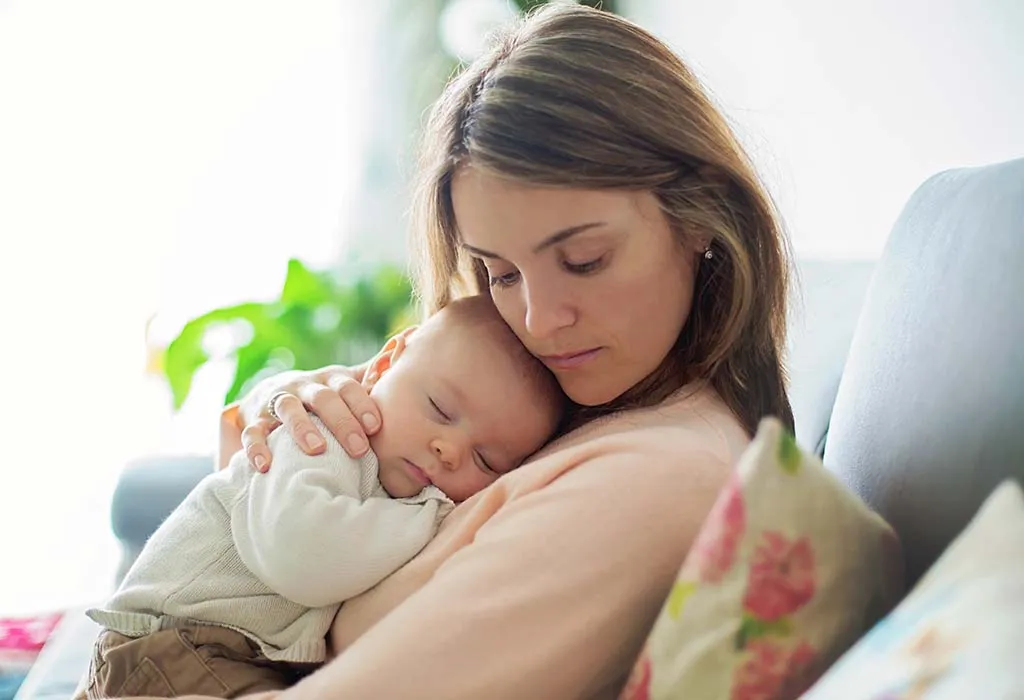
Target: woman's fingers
[
  {"x": 358, "y": 401},
  {"x": 338, "y": 415},
  {"x": 254, "y": 442},
  {"x": 332, "y": 393},
  {"x": 291, "y": 410},
  {"x": 293, "y": 416}
]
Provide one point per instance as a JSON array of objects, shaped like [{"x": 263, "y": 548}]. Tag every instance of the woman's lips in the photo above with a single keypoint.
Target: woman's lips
[
  {"x": 417, "y": 474},
  {"x": 570, "y": 360}
]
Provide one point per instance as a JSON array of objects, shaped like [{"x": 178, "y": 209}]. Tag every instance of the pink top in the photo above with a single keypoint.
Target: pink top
[{"x": 545, "y": 584}]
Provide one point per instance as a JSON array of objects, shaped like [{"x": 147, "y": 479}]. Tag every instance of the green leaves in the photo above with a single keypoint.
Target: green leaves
[
  {"x": 318, "y": 320},
  {"x": 789, "y": 453},
  {"x": 752, "y": 628}
]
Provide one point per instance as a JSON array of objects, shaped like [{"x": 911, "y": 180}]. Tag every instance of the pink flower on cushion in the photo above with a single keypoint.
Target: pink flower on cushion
[
  {"x": 781, "y": 577},
  {"x": 638, "y": 687},
  {"x": 801, "y": 671},
  {"x": 714, "y": 551},
  {"x": 773, "y": 672}
]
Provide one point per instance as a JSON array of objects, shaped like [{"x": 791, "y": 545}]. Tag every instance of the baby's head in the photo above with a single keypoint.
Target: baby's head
[{"x": 462, "y": 402}]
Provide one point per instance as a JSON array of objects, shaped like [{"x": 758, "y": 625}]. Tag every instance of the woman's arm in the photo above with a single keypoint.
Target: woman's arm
[{"x": 553, "y": 598}]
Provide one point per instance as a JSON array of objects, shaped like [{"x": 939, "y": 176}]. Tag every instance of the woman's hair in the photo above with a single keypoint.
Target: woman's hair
[{"x": 575, "y": 97}]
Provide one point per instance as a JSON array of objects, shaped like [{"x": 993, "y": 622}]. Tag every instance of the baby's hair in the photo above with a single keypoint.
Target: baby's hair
[{"x": 478, "y": 312}]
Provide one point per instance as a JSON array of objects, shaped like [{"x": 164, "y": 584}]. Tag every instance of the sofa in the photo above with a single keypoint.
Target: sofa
[{"x": 906, "y": 377}]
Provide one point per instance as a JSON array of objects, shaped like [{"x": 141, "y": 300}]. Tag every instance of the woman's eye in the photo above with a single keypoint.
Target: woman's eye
[
  {"x": 585, "y": 267},
  {"x": 506, "y": 280},
  {"x": 438, "y": 411}
]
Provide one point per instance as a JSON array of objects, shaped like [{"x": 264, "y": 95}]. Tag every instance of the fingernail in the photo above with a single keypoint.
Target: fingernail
[
  {"x": 370, "y": 421},
  {"x": 356, "y": 444},
  {"x": 261, "y": 463},
  {"x": 314, "y": 441}
]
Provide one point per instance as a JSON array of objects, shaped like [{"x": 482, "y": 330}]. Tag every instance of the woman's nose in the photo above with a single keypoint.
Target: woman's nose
[{"x": 546, "y": 310}]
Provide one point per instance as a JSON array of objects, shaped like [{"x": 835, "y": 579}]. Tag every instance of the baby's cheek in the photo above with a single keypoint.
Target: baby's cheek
[{"x": 464, "y": 488}]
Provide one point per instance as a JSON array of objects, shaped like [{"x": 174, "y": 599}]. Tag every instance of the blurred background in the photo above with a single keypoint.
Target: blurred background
[{"x": 194, "y": 194}]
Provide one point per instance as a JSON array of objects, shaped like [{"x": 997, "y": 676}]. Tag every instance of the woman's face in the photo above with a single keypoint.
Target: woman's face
[{"x": 593, "y": 282}]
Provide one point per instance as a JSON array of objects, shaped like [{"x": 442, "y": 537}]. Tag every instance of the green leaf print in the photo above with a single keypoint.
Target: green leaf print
[
  {"x": 752, "y": 628},
  {"x": 678, "y": 597},
  {"x": 789, "y": 453}
]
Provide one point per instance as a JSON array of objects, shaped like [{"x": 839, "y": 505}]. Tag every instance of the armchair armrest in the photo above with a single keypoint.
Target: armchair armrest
[{"x": 147, "y": 491}]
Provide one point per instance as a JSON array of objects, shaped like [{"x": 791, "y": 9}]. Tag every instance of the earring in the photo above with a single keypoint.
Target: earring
[{"x": 708, "y": 253}]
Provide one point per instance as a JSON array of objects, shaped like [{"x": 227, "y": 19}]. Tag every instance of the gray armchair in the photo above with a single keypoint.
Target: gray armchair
[
  {"x": 146, "y": 493},
  {"x": 929, "y": 413}
]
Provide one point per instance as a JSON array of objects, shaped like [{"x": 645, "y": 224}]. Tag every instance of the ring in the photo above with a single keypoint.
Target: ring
[{"x": 272, "y": 402}]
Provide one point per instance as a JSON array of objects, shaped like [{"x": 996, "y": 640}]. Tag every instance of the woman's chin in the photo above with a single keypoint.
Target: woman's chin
[{"x": 590, "y": 393}]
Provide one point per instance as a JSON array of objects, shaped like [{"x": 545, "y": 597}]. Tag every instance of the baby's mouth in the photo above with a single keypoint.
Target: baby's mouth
[{"x": 417, "y": 473}]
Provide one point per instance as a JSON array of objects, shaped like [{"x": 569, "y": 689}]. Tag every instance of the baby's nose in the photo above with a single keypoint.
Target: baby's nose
[{"x": 448, "y": 453}]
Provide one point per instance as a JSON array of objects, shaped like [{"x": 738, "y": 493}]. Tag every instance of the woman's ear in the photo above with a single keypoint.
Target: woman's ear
[
  {"x": 716, "y": 184},
  {"x": 386, "y": 358}
]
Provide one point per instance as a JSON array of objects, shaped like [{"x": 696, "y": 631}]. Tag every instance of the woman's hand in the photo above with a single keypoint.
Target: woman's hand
[{"x": 333, "y": 393}]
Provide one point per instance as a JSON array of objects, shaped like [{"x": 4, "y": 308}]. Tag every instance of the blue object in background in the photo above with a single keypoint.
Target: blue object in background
[{"x": 9, "y": 684}]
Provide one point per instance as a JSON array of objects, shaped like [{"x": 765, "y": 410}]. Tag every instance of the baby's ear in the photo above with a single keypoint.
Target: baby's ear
[{"x": 386, "y": 358}]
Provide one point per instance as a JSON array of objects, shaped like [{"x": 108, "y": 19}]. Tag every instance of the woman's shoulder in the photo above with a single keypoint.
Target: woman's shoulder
[
  {"x": 694, "y": 417},
  {"x": 693, "y": 428}
]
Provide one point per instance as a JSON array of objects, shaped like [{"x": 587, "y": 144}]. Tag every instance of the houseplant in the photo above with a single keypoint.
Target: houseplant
[{"x": 319, "y": 318}]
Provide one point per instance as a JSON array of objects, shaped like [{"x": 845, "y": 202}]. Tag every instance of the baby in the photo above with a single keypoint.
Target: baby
[{"x": 236, "y": 590}]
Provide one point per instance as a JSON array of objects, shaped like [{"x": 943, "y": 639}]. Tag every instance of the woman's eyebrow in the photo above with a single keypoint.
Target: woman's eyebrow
[
  {"x": 553, "y": 239},
  {"x": 565, "y": 234},
  {"x": 479, "y": 252}
]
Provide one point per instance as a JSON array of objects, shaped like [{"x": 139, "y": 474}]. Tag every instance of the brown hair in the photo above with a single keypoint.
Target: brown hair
[
  {"x": 572, "y": 96},
  {"x": 478, "y": 314}
]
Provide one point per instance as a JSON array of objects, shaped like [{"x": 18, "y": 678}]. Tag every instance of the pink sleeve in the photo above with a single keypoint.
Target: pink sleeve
[{"x": 552, "y": 599}]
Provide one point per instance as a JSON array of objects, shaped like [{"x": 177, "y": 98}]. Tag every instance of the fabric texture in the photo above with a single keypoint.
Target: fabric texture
[
  {"x": 273, "y": 555},
  {"x": 788, "y": 570},
  {"x": 213, "y": 660},
  {"x": 960, "y": 632}
]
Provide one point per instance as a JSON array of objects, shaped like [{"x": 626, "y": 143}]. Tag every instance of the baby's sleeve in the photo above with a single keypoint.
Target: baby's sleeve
[{"x": 304, "y": 530}]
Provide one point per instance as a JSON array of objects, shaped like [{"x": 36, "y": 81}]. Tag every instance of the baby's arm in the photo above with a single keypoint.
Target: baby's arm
[{"x": 303, "y": 529}]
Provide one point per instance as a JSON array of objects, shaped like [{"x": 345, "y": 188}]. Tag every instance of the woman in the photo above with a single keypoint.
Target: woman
[{"x": 579, "y": 175}]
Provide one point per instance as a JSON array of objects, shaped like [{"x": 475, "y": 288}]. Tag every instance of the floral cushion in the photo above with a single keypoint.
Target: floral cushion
[
  {"x": 788, "y": 570},
  {"x": 960, "y": 632}
]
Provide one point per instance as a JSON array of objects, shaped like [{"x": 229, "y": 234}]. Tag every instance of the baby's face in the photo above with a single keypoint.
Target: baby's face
[{"x": 457, "y": 413}]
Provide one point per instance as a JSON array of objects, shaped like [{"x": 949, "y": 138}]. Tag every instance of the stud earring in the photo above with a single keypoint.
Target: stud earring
[{"x": 708, "y": 253}]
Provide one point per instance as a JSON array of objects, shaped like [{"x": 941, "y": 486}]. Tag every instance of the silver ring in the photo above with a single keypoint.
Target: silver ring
[{"x": 272, "y": 402}]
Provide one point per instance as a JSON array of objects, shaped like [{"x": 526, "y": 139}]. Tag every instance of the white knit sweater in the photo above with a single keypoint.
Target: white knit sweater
[{"x": 274, "y": 555}]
